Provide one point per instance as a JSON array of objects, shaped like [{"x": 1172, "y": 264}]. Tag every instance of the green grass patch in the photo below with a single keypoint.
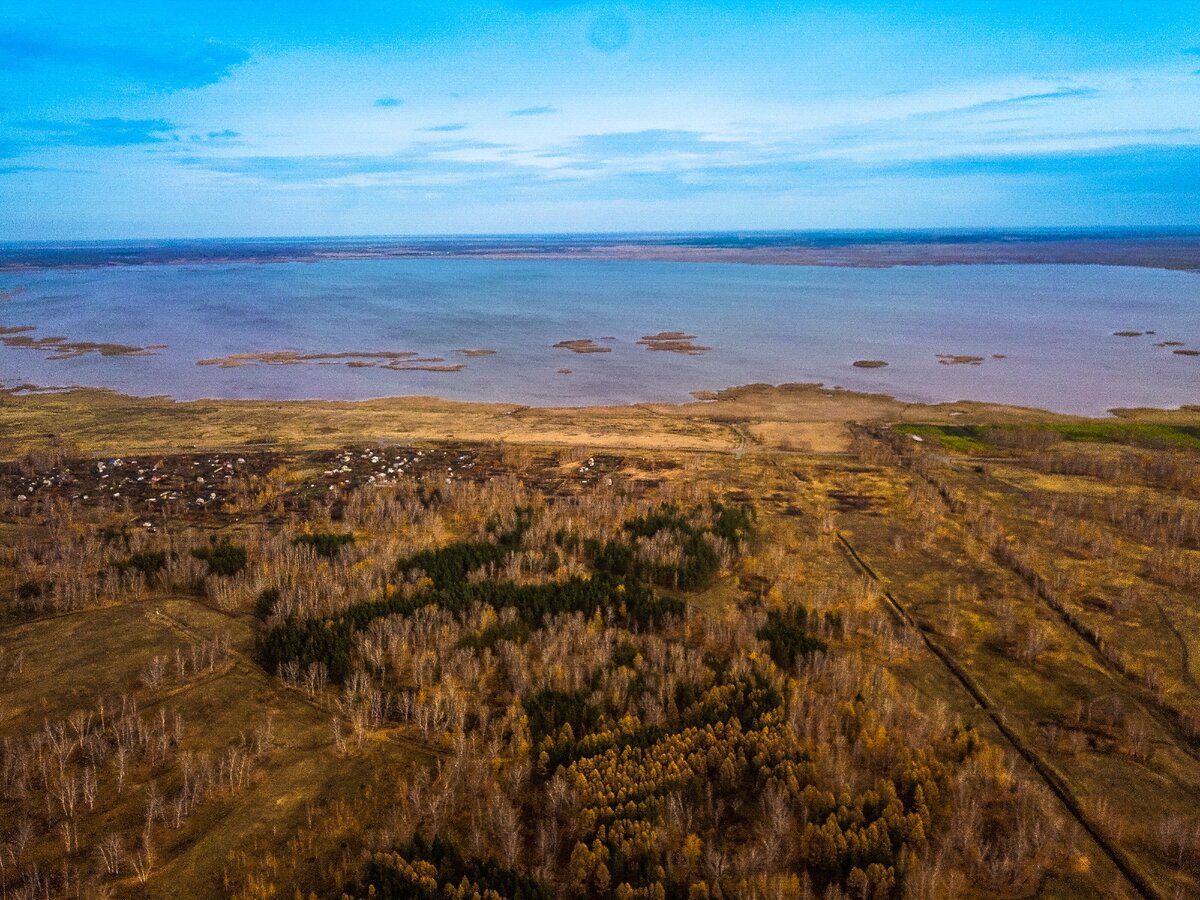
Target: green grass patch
[
  {"x": 1141, "y": 434},
  {"x": 987, "y": 438},
  {"x": 959, "y": 438}
]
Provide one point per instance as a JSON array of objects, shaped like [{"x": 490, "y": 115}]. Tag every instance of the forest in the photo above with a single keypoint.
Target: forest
[{"x": 940, "y": 664}]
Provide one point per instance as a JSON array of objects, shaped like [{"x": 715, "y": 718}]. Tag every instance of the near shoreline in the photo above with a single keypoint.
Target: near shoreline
[{"x": 797, "y": 417}]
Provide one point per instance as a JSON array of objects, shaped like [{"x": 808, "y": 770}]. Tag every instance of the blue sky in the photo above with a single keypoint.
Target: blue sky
[{"x": 149, "y": 119}]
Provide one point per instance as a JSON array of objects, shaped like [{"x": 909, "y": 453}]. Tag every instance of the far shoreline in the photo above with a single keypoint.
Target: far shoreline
[{"x": 1165, "y": 250}]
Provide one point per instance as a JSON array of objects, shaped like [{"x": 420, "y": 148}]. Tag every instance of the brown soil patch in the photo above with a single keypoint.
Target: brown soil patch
[
  {"x": 293, "y": 358},
  {"x": 673, "y": 342},
  {"x": 418, "y": 366},
  {"x": 476, "y": 353},
  {"x": 583, "y": 345},
  {"x": 58, "y": 347}
]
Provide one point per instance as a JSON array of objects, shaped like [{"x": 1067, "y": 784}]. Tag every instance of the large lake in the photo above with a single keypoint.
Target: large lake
[{"x": 1052, "y": 324}]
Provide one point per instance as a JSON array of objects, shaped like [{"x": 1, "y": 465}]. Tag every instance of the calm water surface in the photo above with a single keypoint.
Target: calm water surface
[{"x": 1053, "y": 324}]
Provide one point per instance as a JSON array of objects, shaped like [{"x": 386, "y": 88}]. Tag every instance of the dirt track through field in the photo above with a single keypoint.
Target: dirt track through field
[
  {"x": 1184, "y": 657},
  {"x": 1052, "y": 780},
  {"x": 1118, "y": 669}
]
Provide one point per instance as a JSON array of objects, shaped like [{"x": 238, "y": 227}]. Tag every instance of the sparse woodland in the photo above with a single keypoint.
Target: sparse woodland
[{"x": 500, "y": 672}]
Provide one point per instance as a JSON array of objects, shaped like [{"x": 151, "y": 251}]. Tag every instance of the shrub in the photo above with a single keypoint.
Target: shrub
[
  {"x": 265, "y": 605},
  {"x": 29, "y": 590},
  {"x": 223, "y": 557},
  {"x": 787, "y": 637},
  {"x": 147, "y": 562}
]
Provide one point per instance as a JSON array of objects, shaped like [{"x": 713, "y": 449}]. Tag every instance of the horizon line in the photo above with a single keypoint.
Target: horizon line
[{"x": 998, "y": 230}]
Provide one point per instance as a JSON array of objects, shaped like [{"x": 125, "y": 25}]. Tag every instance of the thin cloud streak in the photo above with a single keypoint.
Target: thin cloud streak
[{"x": 110, "y": 131}]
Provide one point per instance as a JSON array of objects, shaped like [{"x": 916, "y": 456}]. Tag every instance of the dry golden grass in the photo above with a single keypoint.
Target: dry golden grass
[{"x": 800, "y": 416}]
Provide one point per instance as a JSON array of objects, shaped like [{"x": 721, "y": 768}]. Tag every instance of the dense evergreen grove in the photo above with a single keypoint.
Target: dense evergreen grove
[
  {"x": 265, "y": 604},
  {"x": 449, "y": 566},
  {"x": 616, "y": 593},
  {"x": 431, "y": 870},
  {"x": 224, "y": 557},
  {"x": 786, "y": 633},
  {"x": 148, "y": 562},
  {"x": 329, "y": 641},
  {"x": 699, "y": 557}
]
